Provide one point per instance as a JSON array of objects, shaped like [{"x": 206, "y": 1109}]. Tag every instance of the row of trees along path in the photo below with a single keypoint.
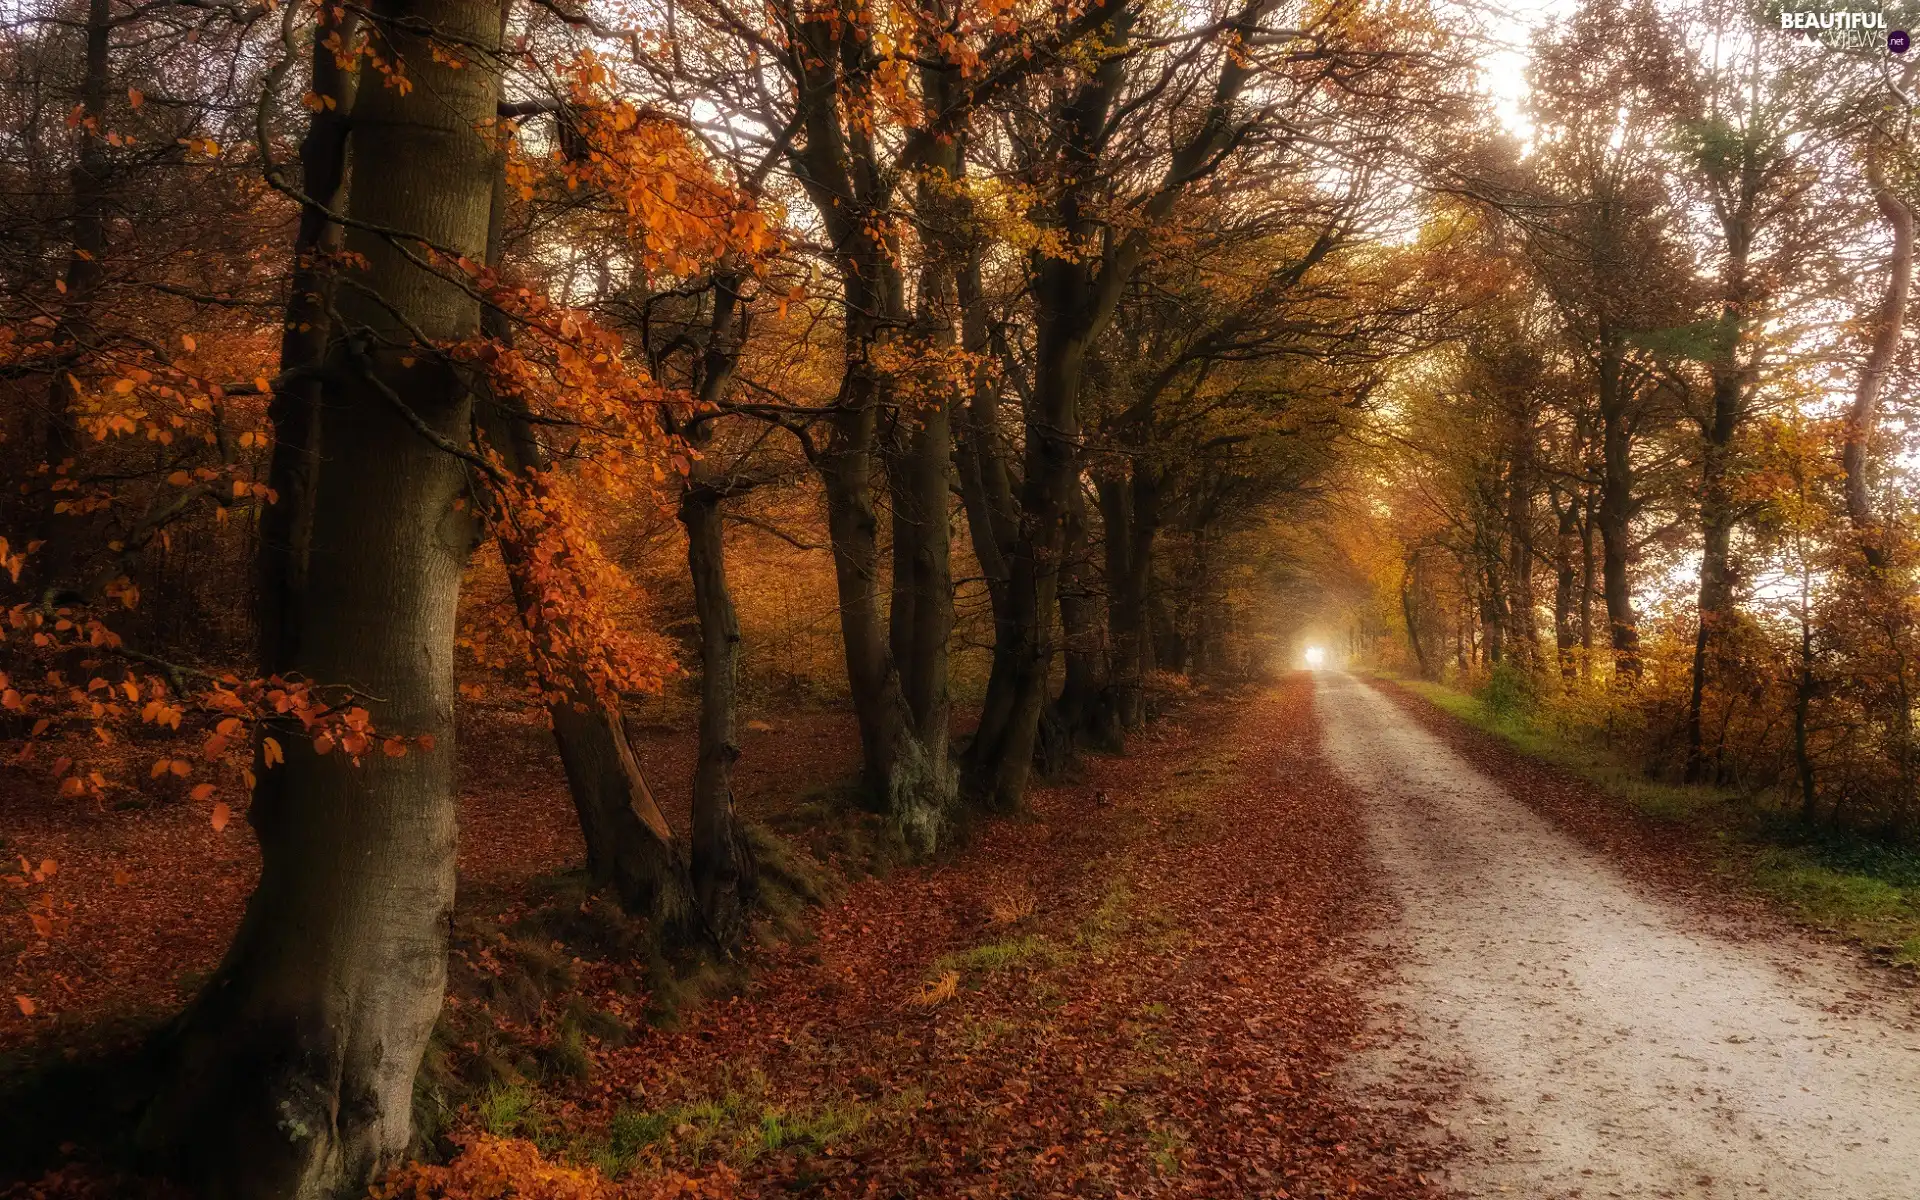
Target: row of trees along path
[{"x": 1025, "y": 359}]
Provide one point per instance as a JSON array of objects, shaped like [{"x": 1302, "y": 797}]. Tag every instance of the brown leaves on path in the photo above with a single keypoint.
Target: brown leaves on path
[{"x": 1129, "y": 991}]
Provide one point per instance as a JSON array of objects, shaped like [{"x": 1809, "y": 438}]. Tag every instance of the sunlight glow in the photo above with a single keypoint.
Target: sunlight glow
[{"x": 1316, "y": 657}]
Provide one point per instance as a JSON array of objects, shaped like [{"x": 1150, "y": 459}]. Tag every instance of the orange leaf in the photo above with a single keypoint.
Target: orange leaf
[
  {"x": 180, "y": 766},
  {"x": 201, "y": 791},
  {"x": 394, "y": 748},
  {"x": 323, "y": 744},
  {"x": 221, "y": 815},
  {"x": 27, "y": 1006},
  {"x": 426, "y": 742},
  {"x": 120, "y": 877},
  {"x": 42, "y": 924},
  {"x": 272, "y": 753}
]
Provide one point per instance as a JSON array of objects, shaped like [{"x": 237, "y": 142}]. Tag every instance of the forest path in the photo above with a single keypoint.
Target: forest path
[{"x": 1590, "y": 1038}]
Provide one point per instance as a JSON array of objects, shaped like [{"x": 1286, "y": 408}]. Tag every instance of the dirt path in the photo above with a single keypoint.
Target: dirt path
[{"x": 1594, "y": 1040}]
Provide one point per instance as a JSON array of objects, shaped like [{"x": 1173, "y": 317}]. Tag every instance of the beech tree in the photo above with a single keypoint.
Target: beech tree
[{"x": 293, "y": 1072}]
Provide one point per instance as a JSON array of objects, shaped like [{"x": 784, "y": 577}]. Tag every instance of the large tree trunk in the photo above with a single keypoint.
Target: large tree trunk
[
  {"x": 1000, "y": 758},
  {"x": 630, "y": 845},
  {"x": 1068, "y": 313},
  {"x": 919, "y": 480},
  {"x": 987, "y": 491},
  {"x": 293, "y": 1071},
  {"x": 294, "y": 409},
  {"x": 1616, "y": 514},
  {"x": 895, "y": 776}
]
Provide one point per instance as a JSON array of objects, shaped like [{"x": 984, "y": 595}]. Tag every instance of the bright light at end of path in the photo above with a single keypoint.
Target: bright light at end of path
[{"x": 1316, "y": 657}]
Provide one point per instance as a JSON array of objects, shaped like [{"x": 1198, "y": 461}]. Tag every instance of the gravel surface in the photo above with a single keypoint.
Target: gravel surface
[{"x": 1583, "y": 1036}]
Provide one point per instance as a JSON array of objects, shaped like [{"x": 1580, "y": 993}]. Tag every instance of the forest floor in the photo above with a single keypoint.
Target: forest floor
[
  {"x": 1593, "y": 1011},
  {"x": 1315, "y": 940},
  {"x": 1146, "y": 984}
]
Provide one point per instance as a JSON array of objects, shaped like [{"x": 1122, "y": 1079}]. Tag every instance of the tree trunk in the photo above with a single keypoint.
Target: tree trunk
[
  {"x": 986, "y": 490},
  {"x": 293, "y": 1071},
  {"x": 61, "y": 549},
  {"x": 1616, "y": 515},
  {"x": 630, "y": 844},
  {"x": 896, "y": 776},
  {"x": 920, "y": 480},
  {"x": 1566, "y": 633},
  {"x": 723, "y": 866},
  {"x": 1083, "y": 713},
  {"x": 1861, "y": 414},
  {"x": 1000, "y": 758},
  {"x": 294, "y": 409},
  {"x": 1526, "y": 634},
  {"x": 1716, "y": 571},
  {"x": 1410, "y": 613},
  {"x": 903, "y": 775},
  {"x": 1803, "y": 705},
  {"x": 1130, "y": 508}
]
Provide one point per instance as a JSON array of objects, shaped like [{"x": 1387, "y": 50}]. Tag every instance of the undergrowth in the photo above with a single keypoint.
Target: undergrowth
[
  {"x": 1837, "y": 880},
  {"x": 517, "y": 1021}
]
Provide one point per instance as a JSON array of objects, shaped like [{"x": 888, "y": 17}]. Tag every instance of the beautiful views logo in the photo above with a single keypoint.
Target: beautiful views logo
[{"x": 1846, "y": 29}]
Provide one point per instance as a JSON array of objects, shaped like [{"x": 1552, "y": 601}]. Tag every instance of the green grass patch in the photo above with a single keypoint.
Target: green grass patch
[
  {"x": 1853, "y": 885},
  {"x": 1028, "y": 950},
  {"x": 1595, "y": 763},
  {"x": 736, "y": 1127}
]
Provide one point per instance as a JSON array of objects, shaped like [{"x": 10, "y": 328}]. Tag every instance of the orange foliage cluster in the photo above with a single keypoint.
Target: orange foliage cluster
[
  {"x": 678, "y": 212},
  {"x": 491, "y": 1168}
]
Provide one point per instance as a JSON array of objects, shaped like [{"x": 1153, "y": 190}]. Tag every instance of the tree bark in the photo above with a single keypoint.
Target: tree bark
[
  {"x": 1083, "y": 713},
  {"x": 294, "y": 409},
  {"x": 60, "y": 553},
  {"x": 1410, "y": 612},
  {"x": 1857, "y": 436},
  {"x": 987, "y": 492},
  {"x": 293, "y": 1071},
  {"x": 902, "y": 775},
  {"x": 1566, "y": 631},
  {"x": 1617, "y": 506},
  {"x": 1130, "y": 508},
  {"x": 724, "y": 871},
  {"x": 631, "y": 847},
  {"x": 1717, "y": 517},
  {"x": 1520, "y": 485},
  {"x": 723, "y": 865}
]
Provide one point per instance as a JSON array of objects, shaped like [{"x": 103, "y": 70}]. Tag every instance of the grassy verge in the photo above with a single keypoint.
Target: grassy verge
[{"x": 1860, "y": 888}]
